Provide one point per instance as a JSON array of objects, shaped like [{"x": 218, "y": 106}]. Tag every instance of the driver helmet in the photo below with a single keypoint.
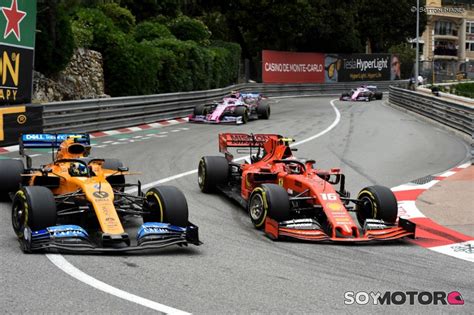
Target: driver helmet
[{"x": 77, "y": 169}]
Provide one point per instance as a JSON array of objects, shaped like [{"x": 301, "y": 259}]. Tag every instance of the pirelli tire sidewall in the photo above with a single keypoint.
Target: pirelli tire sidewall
[
  {"x": 243, "y": 112},
  {"x": 275, "y": 204},
  {"x": 378, "y": 202},
  {"x": 167, "y": 204},
  {"x": 10, "y": 176},
  {"x": 212, "y": 171},
  {"x": 33, "y": 207}
]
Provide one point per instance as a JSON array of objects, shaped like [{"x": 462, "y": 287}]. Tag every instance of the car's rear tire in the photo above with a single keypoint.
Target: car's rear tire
[
  {"x": 268, "y": 200},
  {"x": 378, "y": 95},
  {"x": 212, "y": 171},
  {"x": 35, "y": 207},
  {"x": 10, "y": 176},
  {"x": 166, "y": 204},
  {"x": 377, "y": 202},
  {"x": 263, "y": 111},
  {"x": 243, "y": 112},
  {"x": 200, "y": 109}
]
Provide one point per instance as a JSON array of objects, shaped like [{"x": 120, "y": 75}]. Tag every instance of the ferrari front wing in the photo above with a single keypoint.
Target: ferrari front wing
[{"x": 310, "y": 230}]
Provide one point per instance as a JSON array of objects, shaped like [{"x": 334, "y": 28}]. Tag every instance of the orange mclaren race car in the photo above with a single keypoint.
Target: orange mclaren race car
[
  {"x": 77, "y": 203},
  {"x": 289, "y": 198}
]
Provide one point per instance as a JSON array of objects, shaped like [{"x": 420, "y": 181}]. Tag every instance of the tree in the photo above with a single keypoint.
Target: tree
[
  {"x": 54, "y": 39},
  {"x": 385, "y": 23}
]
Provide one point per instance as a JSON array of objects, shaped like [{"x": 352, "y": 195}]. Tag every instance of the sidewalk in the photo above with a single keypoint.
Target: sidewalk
[{"x": 451, "y": 202}]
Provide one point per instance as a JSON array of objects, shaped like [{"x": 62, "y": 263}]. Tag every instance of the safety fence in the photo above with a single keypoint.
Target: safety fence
[{"x": 447, "y": 112}]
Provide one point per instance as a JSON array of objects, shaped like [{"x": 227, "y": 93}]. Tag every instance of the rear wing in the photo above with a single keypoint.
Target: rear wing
[
  {"x": 47, "y": 140},
  {"x": 243, "y": 140},
  {"x": 250, "y": 94}
]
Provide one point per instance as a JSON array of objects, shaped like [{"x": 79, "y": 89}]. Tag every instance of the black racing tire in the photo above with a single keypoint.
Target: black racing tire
[
  {"x": 378, "y": 202},
  {"x": 244, "y": 112},
  {"x": 166, "y": 204},
  {"x": 212, "y": 171},
  {"x": 35, "y": 207},
  {"x": 200, "y": 109},
  {"x": 112, "y": 164},
  {"x": 378, "y": 95},
  {"x": 263, "y": 111},
  {"x": 268, "y": 200},
  {"x": 10, "y": 176}
]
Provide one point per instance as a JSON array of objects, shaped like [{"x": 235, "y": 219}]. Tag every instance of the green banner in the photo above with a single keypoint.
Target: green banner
[
  {"x": 17, "y": 43},
  {"x": 18, "y": 23}
]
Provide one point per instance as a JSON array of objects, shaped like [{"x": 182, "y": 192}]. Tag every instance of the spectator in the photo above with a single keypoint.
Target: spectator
[{"x": 420, "y": 80}]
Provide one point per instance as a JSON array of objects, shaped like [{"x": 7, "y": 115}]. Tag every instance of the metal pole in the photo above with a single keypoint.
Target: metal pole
[{"x": 417, "y": 41}]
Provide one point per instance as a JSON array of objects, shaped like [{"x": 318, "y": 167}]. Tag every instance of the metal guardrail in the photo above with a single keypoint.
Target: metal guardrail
[
  {"x": 118, "y": 112},
  {"x": 446, "y": 112}
]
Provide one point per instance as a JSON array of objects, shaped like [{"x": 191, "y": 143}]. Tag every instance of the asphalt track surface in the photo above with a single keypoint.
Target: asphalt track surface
[{"x": 238, "y": 269}]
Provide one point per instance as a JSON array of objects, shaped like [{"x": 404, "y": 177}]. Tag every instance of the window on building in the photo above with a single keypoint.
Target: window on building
[
  {"x": 469, "y": 27},
  {"x": 470, "y": 46},
  {"x": 444, "y": 28}
]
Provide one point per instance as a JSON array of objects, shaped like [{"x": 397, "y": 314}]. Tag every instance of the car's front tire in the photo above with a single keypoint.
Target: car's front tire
[
  {"x": 166, "y": 204},
  {"x": 268, "y": 200},
  {"x": 243, "y": 112},
  {"x": 376, "y": 202},
  {"x": 35, "y": 207}
]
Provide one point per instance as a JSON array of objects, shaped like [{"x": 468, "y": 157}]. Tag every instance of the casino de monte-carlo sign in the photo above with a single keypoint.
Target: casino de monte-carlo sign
[{"x": 17, "y": 43}]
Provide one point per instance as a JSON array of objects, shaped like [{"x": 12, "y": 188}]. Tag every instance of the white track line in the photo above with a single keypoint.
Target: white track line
[
  {"x": 61, "y": 262},
  {"x": 66, "y": 266}
]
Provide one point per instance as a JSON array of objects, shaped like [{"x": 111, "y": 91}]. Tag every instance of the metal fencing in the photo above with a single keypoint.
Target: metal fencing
[
  {"x": 442, "y": 110},
  {"x": 118, "y": 112}
]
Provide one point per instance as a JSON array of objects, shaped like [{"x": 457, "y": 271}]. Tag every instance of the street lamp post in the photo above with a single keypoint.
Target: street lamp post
[{"x": 417, "y": 41}]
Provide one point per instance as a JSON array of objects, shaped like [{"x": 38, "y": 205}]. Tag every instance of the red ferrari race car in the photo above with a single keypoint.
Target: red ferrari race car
[
  {"x": 365, "y": 93},
  {"x": 289, "y": 198},
  {"x": 237, "y": 108}
]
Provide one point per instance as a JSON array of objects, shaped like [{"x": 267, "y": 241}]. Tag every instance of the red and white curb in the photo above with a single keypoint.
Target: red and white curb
[
  {"x": 430, "y": 234},
  {"x": 144, "y": 127}
]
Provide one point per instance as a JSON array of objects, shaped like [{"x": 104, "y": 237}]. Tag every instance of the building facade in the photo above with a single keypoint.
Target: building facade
[{"x": 448, "y": 40}]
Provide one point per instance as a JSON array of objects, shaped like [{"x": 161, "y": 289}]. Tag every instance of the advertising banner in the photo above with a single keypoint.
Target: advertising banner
[
  {"x": 15, "y": 120},
  {"x": 292, "y": 67},
  {"x": 17, "y": 42},
  {"x": 357, "y": 67}
]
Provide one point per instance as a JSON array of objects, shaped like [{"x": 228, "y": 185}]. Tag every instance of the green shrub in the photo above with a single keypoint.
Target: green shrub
[
  {"x": 121, "y": 17},
  {"x": 101, "y": 27},
  {"x": 151, "y": 30},
  {"x": 130, "y": 68},
  {"x": 464, "y": 89},
  {"x": 231, "y": 60},
  {"x": 54, "y": 39},
  {"x": 83, "y": 35},
  {"x": 186, "y": 28}
]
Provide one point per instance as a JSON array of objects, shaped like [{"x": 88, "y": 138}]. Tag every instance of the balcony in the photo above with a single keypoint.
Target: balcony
[{"x": 445, "y": 53}]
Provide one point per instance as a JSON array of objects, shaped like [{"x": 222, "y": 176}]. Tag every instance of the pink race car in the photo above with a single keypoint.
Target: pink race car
[
  {"x": 236, "y": 108},
  {"x": 364, "y": 93}
]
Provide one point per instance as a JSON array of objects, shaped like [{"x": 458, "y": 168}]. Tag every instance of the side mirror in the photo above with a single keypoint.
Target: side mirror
[{"x": 122, "y": 169}]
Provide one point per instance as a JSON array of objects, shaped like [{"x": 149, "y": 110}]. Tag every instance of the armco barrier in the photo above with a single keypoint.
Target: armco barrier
[
  {"x": 118, "y": 112},
  {"x": 447, "y": 112}
]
